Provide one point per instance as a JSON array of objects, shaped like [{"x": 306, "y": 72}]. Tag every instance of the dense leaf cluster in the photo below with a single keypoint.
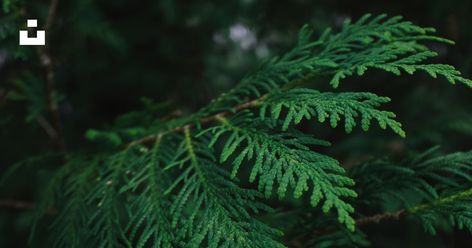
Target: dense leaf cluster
[{"x": 170, "y": 187}]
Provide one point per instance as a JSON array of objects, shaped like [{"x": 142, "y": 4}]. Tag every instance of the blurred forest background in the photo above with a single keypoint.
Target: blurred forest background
[{"x": 150, "y": 58}]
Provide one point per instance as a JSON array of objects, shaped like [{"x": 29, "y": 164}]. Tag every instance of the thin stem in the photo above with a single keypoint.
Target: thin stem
[
  {"x": 201, "y": 121},
  {"x": 48, "y": 128},
  {"x": 16, "y": 204},
  {"x": 363, "y": 221},
  {"x": 374, "y": 219},
  {"x": 442, "y": 201},
  {"x": 3, "y": 95},
  {"x": 51, "y": 14},
  {"x": 47, "y": 63},
  {"x": 23, "y": 205}
]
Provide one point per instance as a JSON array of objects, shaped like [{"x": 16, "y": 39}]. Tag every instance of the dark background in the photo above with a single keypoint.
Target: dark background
[{"x": 109, "y": 55}]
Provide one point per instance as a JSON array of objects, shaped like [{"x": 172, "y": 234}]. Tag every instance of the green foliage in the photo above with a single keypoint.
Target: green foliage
[
  {"x": 463, "y": 124},
  {"x": 70, "y": 226},
  {"x": 30, "y": 91},
  {"x": 147, "y": 216},
  {"x": 164, "y": 184},
  {"x": 390, "y": 45},
  {"x": 307, "y": 103},
  {"x": 6, "y": 6},
  {"x": 208, "y": 208},
  {"x": 454, "y": 209},
  {"x": 6, "y": 28},
  {"x": 225, "y": 219},
  {"x": 441, "y": 183},
  {"x": 111, "y": 138},
  {"x": 24, "y": 165},
  {"x": 286, "y": 159},
  {"x": 387, "y": 44},
  {"x": 105, "y": 219},
  {"x": 11, "y": 18},
  {"x": 424, "y": 177}
]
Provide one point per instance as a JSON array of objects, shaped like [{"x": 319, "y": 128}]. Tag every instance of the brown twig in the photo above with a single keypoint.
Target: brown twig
[
  {"x": 17, "y": 204},
  {"x": 3, "y": 95},
  {"x": 174, "y": 114},
  {"x": 374, "y": 219},
  {"x": 23, "y": 205},
  {"x": 363, "y": 221},
  {"x": 47, "y": 63},
  {"x": 201, "y": 121},
  {"x": 47, "y": 127},
  {"x": 51, "y": 13}
]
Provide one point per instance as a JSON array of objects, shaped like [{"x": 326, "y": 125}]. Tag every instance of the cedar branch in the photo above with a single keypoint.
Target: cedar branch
[
  {"x": 201, "y": 121},
  {"x": 380, "y": 217}
]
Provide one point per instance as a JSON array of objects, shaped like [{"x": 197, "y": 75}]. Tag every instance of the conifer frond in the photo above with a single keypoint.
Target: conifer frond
[
  {"x": 105, "y": 222},
  {"x": 23, "y": 165},
  {"x": 389, "y": 44},
  {"x": 50, "y": 195},
  {"x": 149, "y": 224},
  {"x": 285, "y": 159},
  {"x": 176, "y": 193},
  {"x": 441, "y": 184},
  {"x": 211, "y": 209},
  {"x": 304, "y": 103},
  {"x": 71, "y": 224},
  {"x": 462, "y": 124},
  {"x": 295, "y": 66},
  {"x": 454, "y": 209},
  {"x": 423, "y": 175},
  {"x": 372, "y": 42}
]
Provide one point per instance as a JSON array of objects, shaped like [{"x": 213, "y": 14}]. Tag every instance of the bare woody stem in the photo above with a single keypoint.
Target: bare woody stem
[
  {"x": 51, "y": 13},
  {"x": 374, "y": 219},
  {"x": 47, "y": 63},
  {"x": 17, "y": 204},
  {"x": 23, "y": 205},
  {"x": 363, "y": 221},
  {"x": 48, "y": 128},
  {"x": 201, "y": 121}
]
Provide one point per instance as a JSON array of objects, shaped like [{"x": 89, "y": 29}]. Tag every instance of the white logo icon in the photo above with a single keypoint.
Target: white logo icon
[{"x": 39, "y": 40}]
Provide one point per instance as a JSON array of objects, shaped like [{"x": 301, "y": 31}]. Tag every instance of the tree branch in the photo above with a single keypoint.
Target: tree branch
[
  {"x": 51, "y": 14},
  {"x": 363, "y": 221},
  {"x": 48, "y": 128},
  {"x": 47, "y": 63},
  {"x": 380, "y": 217},
  {"x": 3, "y": 95},
  {"x": 208, "y": 119},
  {"x": 23, "y": 205},
  {"x": 17, "y": 204},
  {"x": 205, "y": 120},
  {"x": 201, "y": 121}
]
